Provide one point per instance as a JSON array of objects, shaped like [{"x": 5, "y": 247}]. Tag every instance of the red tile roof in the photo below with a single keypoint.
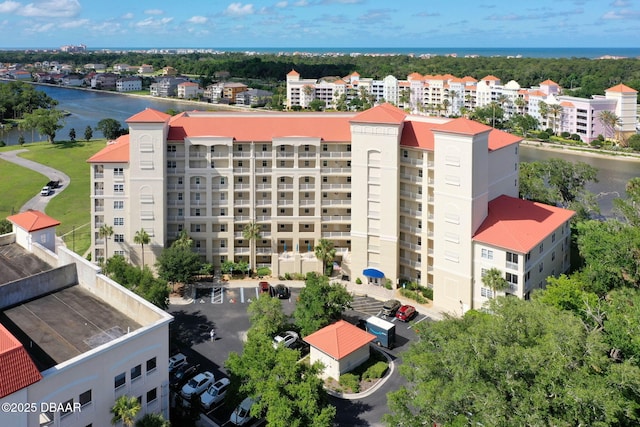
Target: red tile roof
[
  {"x": 549, "y": 83},
  {"x": 117, "y": 152},
  {"x": 417, "y": 134},
  {"x": 17, "y": 370},
  {"x": 383, "y": 113},
  {"x": 33, "y": 220},
  {"x": 340, "y": 339},
  {"x": 519, "y": 225},
  {"x": 621, "y": 88},
  {"x": 293, "y": 73},
  {"x": 497, "y": 138},
  {"x": 149, "y": 115}
]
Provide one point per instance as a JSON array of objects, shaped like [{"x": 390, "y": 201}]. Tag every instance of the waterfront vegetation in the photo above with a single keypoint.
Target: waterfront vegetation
[{"x": 72, "y": 206}]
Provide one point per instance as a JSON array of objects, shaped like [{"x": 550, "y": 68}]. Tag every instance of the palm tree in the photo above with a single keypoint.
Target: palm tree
[
  {"x": 251, "y": 232},
  {"x": 543, "y": 107},
  {"x": 493, "y": 280},
  {"x": 183, "y": 240},
  {"x": 555, "y": 110},
  {"x": 125, "y": 409},
  {"x": 452, "y": 97},
  {"x": 106, "y": 231},
  {"x": 325, "y": 252},
  {"x": 142, "y": 238},
  {"x": 153, "y": 420},
  {"x": 520, "y": 103},
  {"x": 610, "y": 121}
]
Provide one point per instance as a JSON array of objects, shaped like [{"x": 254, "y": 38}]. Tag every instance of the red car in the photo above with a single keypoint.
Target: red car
[
  {"x": 406, "y": 313},
  {"x": 265, "y": 288}
]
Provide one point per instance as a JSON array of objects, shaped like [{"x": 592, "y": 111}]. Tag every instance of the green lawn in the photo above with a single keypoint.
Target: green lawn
[{"x": 72, "y": 206}]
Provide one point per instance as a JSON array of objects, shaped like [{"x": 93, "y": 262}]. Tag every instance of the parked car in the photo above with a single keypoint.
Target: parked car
[
  {"x": 406, "y": 313},
  {"x": 197, "y": 385},
  {"x": 242, "y": 414},
  {"x": 176, "y": 361},
  {"x": 46, "y": 190},
  {"x": 180, "y": 376},
  {"x": 265, "y": 288},
  {"x": 53, "y": 184},
  {"x": 286, "y": 339},
  {"x": 215, "y": 393},
  {"x": 282, "y": 291},
  {"x": 390, "y": 307}
]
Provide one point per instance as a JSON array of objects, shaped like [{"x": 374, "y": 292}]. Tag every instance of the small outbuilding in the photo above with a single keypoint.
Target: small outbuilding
[
  {"x": 34, "y": 226},
  {"x": 340, "y": 347}
]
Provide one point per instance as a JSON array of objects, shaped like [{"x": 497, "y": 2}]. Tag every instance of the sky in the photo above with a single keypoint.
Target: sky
[{"x": 319, "y": 23}]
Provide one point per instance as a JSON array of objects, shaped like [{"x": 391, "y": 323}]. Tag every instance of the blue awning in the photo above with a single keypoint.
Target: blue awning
[{"x": 372, "y": 272}]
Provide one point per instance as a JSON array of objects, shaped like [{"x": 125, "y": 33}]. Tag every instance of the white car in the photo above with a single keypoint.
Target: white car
[
  {"x": 215, "y": 393},
  {"x": 197, "y": 385},
  {"x": 285, "y": 339},
  {"x": 176, "y": 361},
  {"x": 242, "y": 414},
  {"x": 45, "y": 191}
]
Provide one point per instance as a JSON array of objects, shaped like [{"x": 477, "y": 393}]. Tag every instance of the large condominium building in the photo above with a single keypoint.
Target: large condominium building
[
  {"x": 448, "y": 95},
  {"x": 71, "y": 340},
  {"x": 431, "y": 200}
]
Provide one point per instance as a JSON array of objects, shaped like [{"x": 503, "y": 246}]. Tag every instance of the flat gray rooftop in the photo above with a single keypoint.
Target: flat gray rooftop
[
  {"x": 16, "y": 263},
  {"x": 58, "y": 326}
]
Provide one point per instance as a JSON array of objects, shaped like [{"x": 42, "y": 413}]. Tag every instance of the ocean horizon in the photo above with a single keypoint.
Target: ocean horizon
[{"x": 524, "y": 52}]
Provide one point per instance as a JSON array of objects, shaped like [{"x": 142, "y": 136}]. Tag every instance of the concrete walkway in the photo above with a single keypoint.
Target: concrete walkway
[{"x": 38, "y": 202}]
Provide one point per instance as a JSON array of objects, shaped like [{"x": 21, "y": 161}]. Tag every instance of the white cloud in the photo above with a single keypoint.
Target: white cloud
[
  {"x": 197, "y": 20},
  {"x": 238, "y": 9},
  {"x": 301, "y": 3},
  {"x": 153, "y": 12},
  {"x": 621, "y": 3},
  {"x": 281, "y": 4},
  {"x": 9, "y": 6},
  {"x": 153, "y": 23},
  {"x": 40, "y": 28},
  {"x": 127, "y": 15},
  {"x": 75, "y": 24},
  {"x": 621, "y": 14},
  {"x": 51, "y": 9}
]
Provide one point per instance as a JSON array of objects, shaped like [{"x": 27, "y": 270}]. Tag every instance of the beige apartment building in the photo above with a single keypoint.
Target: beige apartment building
[{"x": 401, "y": 197}]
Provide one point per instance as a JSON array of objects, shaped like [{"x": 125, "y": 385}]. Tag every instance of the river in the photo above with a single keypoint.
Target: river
[{"x": 87, "y": 108}]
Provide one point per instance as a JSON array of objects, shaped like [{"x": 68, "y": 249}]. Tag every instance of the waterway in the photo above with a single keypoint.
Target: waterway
[{"x": 87, "y": 108}]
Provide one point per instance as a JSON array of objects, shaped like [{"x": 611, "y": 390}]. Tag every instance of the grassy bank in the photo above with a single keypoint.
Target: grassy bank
[{"x": 72, "y": 206}]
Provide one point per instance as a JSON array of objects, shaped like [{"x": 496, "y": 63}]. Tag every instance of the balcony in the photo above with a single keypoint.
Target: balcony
[
  {"x": 336, "y": 170},
  {"x": 306, "y": 154},
  {"x": 265, "y": 202},
  {"x": 335, "y": 234},
  {"x": 283, "y": 154},
  {"x": 98, "y": 175},
  {"x": 242, "y": 171},
  {"x": 99, "y": 192},
  {"x": 307, "y": 186},
  {"x": 241, "y": 187},
  {"x": 175, "y": 187},
  {"x": 99, "y": 208},
  {"x": 336, "y": 218},
  {"x": 175, "y": 171},
  {"x": 241, "y": 154},
  {"x": 336, "y": 202},
  {"x": 336, "y": 154},
  {"x": 263, "y": 186},
  {"x": 307, "y": 202},
  {"x": 285, "y": 186},
  {"x": 329, "y": 186},
  {"x": 410, "y": 161},
  {"x": 412, "y": 178},
  {"x": 285, "y": 202},
  {"x": 262, "y": 171}
]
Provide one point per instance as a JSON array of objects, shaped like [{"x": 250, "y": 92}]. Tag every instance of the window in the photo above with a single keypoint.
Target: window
[
  {"x": 240, "y": 147},
  {"x": 325, "y": 179},
  {"x": 486, "y": 292},
  {"x": 171, "y": 164},
  {"x": 264, "y": 163},
  {"x": 486, "y": 253},
  {"x": 264, "y": 179},
  {"x": 152, "y": 395},
  {"x": 348, "y": 163},
  {"x": 136, "y": 371},
  {"x": 180, "y": 196},
  {"x": 553, "y": 237},
  {"x": 541, "y": 267},
  {"x": 118, "y": 238},
  {"x": 118, "y": 204},
  {"x": 348, "y": 195},
  {"x": 196, "y": 212},
  {"x": 306, "y": 147},
  {"x": 223, "y": 243},
  {"x": 240, "y": 163},
  {"x": 282, "y": 148},
  {"x": 282, "y": 163},
  {"x": 306, "y": 179},
  {"x": 172, "y": 149},
  {"x": 151, "y": 364},
  {"x": 264, "y": 147},
  {"x": 118, "y": 221},
  {"x": 119, "y": 380},
  {"x": 118, "y": 172},
  {"x": 85, "y": 398},
  {"x": 512, "y": 278},
  {"x": 118, "y": 253},
  {"x": 512, "y": 259},
  {"x": 325, "y": 147},
  {"x": 324, "y": 163},
  {"x": 348, "y": 147},
  {"x": 405, "y": 153},
  {"x": 306, "y": 195},
  {"x": 324, "y": 195},
  {"x": 553, "y": 256},
  {"x": 67, "y": 408},
  {"x": 306, "y": 211},
  {"x": 223, "y": 227},
  {"x": 306, "y": 163},
  {"x": 118, "y": 188},
  {"x": 541, "y": 248},
  {"x": 348, "y": 180},
  {"x": 483, "y": 272},
  {"x": 222, "y": 181}
]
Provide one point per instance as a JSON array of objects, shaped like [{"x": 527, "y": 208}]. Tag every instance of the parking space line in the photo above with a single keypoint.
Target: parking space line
[
  {"x": 418, "y": 321},
  {"x": 242, "y": 295}
]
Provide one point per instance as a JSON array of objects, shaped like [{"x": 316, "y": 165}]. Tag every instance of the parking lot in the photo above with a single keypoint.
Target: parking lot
[{"x": 225, "y": 310}]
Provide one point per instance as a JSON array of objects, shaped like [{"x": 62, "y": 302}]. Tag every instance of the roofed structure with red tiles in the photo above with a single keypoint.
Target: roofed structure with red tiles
[
  {"x": 463, "y": 126},
  {"x": 17, "y": 370},
  {"x": 519, "y": 225},
  {"x": 149, "y": 115},
  {"x": 293, "y": 73},
  {"x": 116, "y": 152},
  {"x": 621, "y": 88},
  {"x": 32, "y": 220},
  {"x": 549, "y": 83},
  {"x": 339, "y": 339},
  {"x": 383, "y": 113}
]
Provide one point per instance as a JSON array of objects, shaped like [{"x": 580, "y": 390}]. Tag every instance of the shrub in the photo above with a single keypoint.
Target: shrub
[
  {"x": 358, "y": 281},
  {"x": 575, "y": 137},
  {"x": 388, "y": 284},
  {"x": 350, "y": 382},
  {"x": 299, "y": 276},
  {"x": 544, "y": 136},
  {"x": 376, "y": 371},
  {"x": 264, "y": 271},
  {"x": 408, "y": 293},
  {"x": 565, "y": 135},
  {"x": 428, "y": 293},
  {"x": 634, "y": 142},
  {"x": 287, "y": 276}
]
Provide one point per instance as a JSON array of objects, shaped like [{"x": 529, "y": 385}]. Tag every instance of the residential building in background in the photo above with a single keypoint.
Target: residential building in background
[
  {"x": 447, "y": 95},
  {"x": 402, "y": 197},
  {"x": 71, "y": 340}
]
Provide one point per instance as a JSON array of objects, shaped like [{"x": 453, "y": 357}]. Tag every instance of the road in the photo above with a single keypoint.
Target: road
[{"x": 38, "y": 202}]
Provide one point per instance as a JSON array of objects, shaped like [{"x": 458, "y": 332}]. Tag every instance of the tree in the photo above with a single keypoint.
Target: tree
[
  {"x": 622, "y": 323},
  {"x": 125, "y": 409},
  {"x": 266, "y": 316},
  {"x": 5, "y": 226},
  {"x": 568, "y": 293},
  {"x": 325, "y": 252},
  {"x": 105, "y": 232},
  {"x": 493, "y": 280},
  {"x": 543, "y": 108},
  {"x": 110, "y": 128},
  {"x": 320, "y": 303},
  {"x": 72, "y": 134},
  {"x": 520, "y": 103},
  {"x": 556, "y": 111},
  {"x": 183, "y": 240},
  {"x": 88, "y": 133},
  {"x": 317, "y": 105},
  {"x": 524, "y": 123},
  {"x": 526, "y": 364},
  {"x": 629, "y": 208},
  {"x": 251, "y": 232},
  {"x": 142, "y": 238},
  {"x": 610, "y": 122},
  {"x": 152, "y": 420},
  {"x": 178, "y": 263},
  {"x": 46, "y": 122}
]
